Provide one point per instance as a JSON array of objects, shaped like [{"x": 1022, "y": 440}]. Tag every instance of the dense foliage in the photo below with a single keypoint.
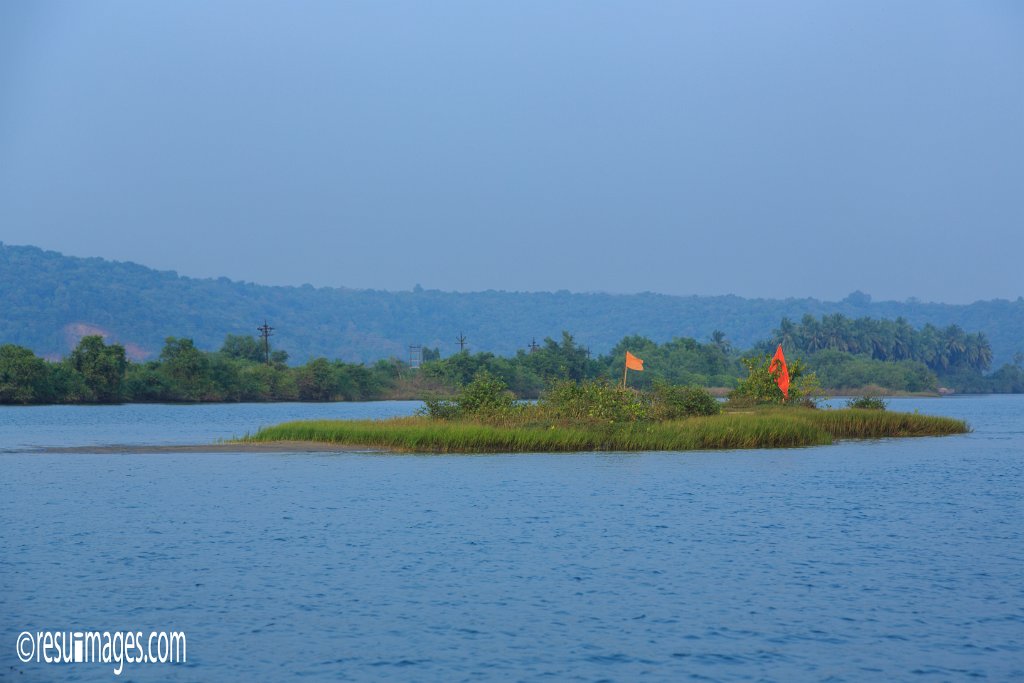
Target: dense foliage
[
  {"x": 569, "y": 402},
  {"x": 841, "y": 370},
  {"x": 941, "y": 350},
  {"x": 98, "y": 372},
  {"x": 892, "y": 354}
]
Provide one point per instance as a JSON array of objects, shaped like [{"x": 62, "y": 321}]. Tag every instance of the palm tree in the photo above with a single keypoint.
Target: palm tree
[
  {"x": 954, "y": 343},
  {"x": 928, "y": 349},
  {"x": 812, "y": 334},
  {"x": 787, "y": 333},
  {"x": 718, "y": 339},
  {"x": 883, "y": 341},
  {"x": 903, "y": 337},
  {"x": 978, "y": 352},
  {"x": 835, "y": 332}
]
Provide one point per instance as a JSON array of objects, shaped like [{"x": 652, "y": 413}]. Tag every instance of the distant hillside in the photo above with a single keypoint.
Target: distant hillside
[{"x": 47, "y": 301}]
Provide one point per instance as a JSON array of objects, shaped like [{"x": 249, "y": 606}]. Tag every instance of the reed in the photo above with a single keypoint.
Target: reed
[
  {"x": 781, "y": 428},
  {"x": 877, "y": 424}
]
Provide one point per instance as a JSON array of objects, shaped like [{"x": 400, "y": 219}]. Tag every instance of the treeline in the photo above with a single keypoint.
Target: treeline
[
  {"x": 892, "y": 354},
  {"x": 950, "y": 349},
  {"x": 843, "y": 354},
  {"x": 96, "y": 372}
]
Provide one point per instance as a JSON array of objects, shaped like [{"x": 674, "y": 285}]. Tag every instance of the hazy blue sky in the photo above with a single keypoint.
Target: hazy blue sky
[{"x": 762, "y": 148}]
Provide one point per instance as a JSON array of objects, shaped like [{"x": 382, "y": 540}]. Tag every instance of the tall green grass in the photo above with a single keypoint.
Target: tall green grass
[
  {"x": 763, "y": 429},
  {"x": 877, "y": 424}
]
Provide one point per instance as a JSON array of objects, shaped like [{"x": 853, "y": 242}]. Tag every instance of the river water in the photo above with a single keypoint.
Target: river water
[{"x": 889, "y": 560}]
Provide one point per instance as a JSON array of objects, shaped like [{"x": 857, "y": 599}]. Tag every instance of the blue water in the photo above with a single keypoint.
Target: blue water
[
  {"x": 865, "y": 561},
  {"x": 27, "y": 428}
]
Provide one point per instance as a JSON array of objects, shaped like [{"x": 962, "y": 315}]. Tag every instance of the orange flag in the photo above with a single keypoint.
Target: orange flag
[
  {"x": 779, "y": 361},
  {"x": 634, "y": 363}
]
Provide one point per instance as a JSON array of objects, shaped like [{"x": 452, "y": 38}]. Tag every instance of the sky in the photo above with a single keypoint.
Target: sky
[{"x": 761, "y": 149}]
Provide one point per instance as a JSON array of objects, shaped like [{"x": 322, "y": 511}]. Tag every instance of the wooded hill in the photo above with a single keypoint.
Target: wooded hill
[{"x": 48, "y": 301}]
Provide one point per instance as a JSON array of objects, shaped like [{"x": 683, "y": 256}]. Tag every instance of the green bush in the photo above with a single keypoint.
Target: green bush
[
  {"x": 596, "y": 401},
  {"x": 760, "y": 385},
  {"x": 567, "y": 402},
  {"x": 671, "y": 402},
  {"x": 486, "y": 396},
  {"x": 23, "y": 377},
  {"x": 867, "y": 403}
]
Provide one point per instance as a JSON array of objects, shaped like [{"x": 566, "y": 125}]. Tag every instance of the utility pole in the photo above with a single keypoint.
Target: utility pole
[
  {"x": 533, "y": 345},
  {"x": 462, "y": 342},
  {"x": 264, "y": 331}
]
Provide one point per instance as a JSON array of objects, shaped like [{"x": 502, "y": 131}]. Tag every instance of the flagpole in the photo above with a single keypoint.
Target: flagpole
[{"x": 625, "y": 369}]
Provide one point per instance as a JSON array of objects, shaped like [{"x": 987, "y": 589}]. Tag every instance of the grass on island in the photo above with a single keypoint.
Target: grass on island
[{"x": 762, "y": 428}]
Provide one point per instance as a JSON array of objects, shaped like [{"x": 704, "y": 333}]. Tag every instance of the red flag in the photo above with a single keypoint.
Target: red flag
[
  {"x": 779, "y": 361},
  {"x": 634, "y": 363}
]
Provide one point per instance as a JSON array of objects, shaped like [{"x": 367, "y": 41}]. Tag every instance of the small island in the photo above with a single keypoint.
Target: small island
[{"x": 599, "y": 416}]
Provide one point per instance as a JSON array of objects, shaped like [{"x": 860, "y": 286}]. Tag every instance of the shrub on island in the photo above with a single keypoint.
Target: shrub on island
[
  {"x": 486, "y": 398},
  {"x": 867, "y": 403},
  {"x": 761, "y": 387}
]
